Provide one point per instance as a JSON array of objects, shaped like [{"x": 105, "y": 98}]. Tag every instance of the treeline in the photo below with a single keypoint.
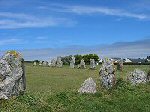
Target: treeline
[
  {"x": 66, "y": 60},
  {"x": 131, "y": 63}
]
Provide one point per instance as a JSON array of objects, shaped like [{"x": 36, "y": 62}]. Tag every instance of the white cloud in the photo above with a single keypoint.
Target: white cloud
[
  {"x": 135, "y": 49},
  {"x": 99, "y": 10},
  {"x": 41, "y": 38},
  {"x": 10, "y": 20},
  {"x": 42, "y": 7},
  {"x": 10, "y": 41}
]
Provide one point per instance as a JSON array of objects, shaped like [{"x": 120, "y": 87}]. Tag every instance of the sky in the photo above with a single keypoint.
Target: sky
[{"x": 57, "y": 24}]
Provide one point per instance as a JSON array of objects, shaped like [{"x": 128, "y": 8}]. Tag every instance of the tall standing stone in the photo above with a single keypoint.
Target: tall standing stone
[
  {"x": 53, "y": 63},
  {"x": 12, "y": 74},
  {"x": 92, "y": 64},
  {"x": 72, "y": 62},
  {"x": 59, "y": 63},
  {"x": 107, "y": 74}
]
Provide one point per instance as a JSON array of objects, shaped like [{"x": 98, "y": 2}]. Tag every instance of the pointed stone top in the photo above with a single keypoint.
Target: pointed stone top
[{"x": 89, "y": 86}]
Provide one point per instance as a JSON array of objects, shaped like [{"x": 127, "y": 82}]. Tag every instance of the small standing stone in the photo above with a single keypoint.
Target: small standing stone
[
  {"x": 107, "y": 74},
  {"x": 120, "y": 65},
  {"x": 89, "y": 86},
  {"x": 53, "y": 63},
  {"x": 137, "y": 76},
  {"x": 148, "y": 76},
  {"x": 45, "y": 63},
  {"x": 92, "y": 64},
  {"x": 82, "y": 64},
  {"x": 72, "y": 62},
  {"x": 34, "y": 64},
  {"x": 40, "y": 63},
  {"x": 49, "y": 63},
  {"x": 78, "y": 66},
  {"x": 59, "y": 62}
]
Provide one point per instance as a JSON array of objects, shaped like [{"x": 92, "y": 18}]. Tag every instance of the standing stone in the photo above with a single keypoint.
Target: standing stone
[
  {"x": 49, "y": 63},
  {"x": 53, "y": 63},
  {"x": 92, "y": 64},
  {"x": 107, "y": 74},
  {"x": 82, "y": 64},
  {"x": 78, "y": 66},
  {"x": 72, "y": 62},
  {"x": 89, "y": 86},
  {"x": 137, "y": 76},
  {"x": 40, "y": 63},
  {"x": 59, "y": 62},
  {"x": 148, "y": 76},
  {"x": 45, "y": 63},
  {"x": 12, "y": 74},
  {"x": 120, "y": 65},
  {"x": 34, "y": 64}
]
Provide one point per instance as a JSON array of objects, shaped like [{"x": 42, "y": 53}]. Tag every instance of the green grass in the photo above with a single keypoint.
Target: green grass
[{"x": 55, "y": 89}]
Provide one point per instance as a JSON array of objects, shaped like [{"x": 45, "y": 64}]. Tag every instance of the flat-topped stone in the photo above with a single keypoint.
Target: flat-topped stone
[{"x": 137, "y": 76}]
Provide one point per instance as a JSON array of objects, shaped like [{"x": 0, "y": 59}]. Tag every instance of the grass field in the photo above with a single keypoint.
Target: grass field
[{"x": 55, "y": 89}]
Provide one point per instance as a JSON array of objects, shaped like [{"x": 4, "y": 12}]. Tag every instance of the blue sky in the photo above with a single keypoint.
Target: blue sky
[
  {"x": 41, "y": 29},
  {"x": 35, "y": 24}
]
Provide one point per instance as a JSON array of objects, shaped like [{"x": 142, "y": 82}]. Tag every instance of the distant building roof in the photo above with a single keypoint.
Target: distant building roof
[
  {"x": 126, "y": 60},
  {"x": 101, "y": 60}
]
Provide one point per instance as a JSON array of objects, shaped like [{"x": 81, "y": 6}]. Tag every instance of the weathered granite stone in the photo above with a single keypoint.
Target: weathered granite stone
[
  {"x": 34, "y": 63},
  {"x": 53, "y": 63},
  {"x": 148, "y": 76},
  {"x": 59, "y": 63},
  {"x": 107, "y": 74},
  {"x": 40, "y": 63},
  {"x": 137, "y": 76},
  {"x": 45, "y": 63},
  {"x": 120, "y": 65},
  {"x": 89, "y": 86},
  {"x": 72, "y": 62},
  {"x": 92, "y": 64},
  {"x": 82, "y": 64},
  {"x": 12, "y": 73}
]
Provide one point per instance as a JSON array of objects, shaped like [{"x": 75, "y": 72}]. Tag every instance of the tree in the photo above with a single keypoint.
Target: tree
[
  {"x": 66, "y": 59},
  {"x": 87, "y": 58},
  {"x": 37, "y": 61},
  {"x": 78, "y": 58}
]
